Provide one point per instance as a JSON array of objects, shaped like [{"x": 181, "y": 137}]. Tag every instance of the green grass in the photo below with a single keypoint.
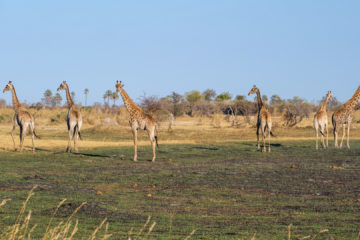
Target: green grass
[{"x": 223, "y": 191}]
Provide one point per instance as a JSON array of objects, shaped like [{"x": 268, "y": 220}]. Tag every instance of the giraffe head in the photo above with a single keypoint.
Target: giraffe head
[
  {"x": 118, "y": 86},
  {"x": 253, "y": 90},
  {"x": 62, "y": 86},
  {"x": 8, "y": 87},
  {"x": 329, "y": 96}
]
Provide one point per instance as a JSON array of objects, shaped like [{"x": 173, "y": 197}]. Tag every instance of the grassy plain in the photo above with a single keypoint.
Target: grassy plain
[{"x": 208, "y": 177}]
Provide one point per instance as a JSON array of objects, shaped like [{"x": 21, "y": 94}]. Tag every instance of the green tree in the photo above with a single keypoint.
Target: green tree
[
  {"x": 224, "y": 96},
  {"x": 73, "y": 95},
  {"x": 108, "y": 95},
  {"x": 86, "y": 92},
  {"x": 264, "y": 98},
  {"x": 240, "y": 97},
  {"x": 56, "y": 100},
  {"x": 114, "y": 97},
  {"x": 47, "y": 97},
  {"x": 193, "y": 96},
  {"x": 275, "y": 99}
]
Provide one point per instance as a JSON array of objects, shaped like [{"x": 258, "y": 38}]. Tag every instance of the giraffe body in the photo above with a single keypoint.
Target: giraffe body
[
  {"x": 321, "y": 123},
  {"x": 22, "y": 118},
  {"x": 263, "y": 120},
  {"x": 138, "y": 120},
  {"x": 343, "y": 117},
  {"x": 171, "y": 121},
  {"x": 73, "y": 119}
]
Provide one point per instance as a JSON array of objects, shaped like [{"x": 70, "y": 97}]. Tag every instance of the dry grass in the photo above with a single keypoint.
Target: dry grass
[
  {"x": 51, "y": 126},
  {"x": 63, "y": 230}
]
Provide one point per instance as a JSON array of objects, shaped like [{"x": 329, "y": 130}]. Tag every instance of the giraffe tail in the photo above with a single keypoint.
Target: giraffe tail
[
  {"x": 79, "y": 135},
  {"x": 156, "y": 137},
  {"x": 322, "y": 133},
  {"x": 266, "y": 126},
  {"x": 35, "y": 134},
  {"x": 156, "y": 140},
  {"x": 32, "y": 130},
  {"x": 77, "y": 130},
  {"x": 334, "y": 123}
]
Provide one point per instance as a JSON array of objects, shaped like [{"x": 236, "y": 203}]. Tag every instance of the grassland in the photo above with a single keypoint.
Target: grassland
[{"x": 208, "y": 177}]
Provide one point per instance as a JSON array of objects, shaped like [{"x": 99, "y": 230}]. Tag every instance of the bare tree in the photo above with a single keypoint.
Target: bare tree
[
  {"x": 209, "y": 94},
  {"x": 177, "y": 104},
  {"x": 150, "y": 104}
]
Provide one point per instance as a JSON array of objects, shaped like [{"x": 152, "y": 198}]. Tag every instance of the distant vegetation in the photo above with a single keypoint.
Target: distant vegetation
[{"x": 199, "y": 104}]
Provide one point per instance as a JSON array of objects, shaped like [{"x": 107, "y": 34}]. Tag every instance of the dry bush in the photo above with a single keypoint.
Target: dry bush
[
  {"x": 160, "y": 109},
  {"x": 295, "y": 111},
  {"x": 204, "y": 108},
  {"x": 295, "y": 114}
]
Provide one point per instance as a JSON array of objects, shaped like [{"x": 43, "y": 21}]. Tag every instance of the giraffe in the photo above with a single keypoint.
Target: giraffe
[
  {"x": 344, "y": 116},
  {"x": 171, "y": 121},
  {"x": 263, "y": 120},
  {"x": 138, "y": 120},
  {"x": 22, "y": 118},
  {"x": 321, "y": 122},
  {"x": 73, "y": 120}
]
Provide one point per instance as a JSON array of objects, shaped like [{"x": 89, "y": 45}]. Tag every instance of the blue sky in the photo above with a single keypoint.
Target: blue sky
[{"x": 289, "y": 48}]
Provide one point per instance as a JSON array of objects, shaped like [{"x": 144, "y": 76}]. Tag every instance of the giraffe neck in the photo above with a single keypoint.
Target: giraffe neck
[
  {"x": 324, "y": 104},
  {"x": 68, "y": 97},
  {"x": 130, "y": 105},
  {"x": 355, "y": 98},
  {"x": 15, "y": 100},
  {"x": 260, "y": 102}
]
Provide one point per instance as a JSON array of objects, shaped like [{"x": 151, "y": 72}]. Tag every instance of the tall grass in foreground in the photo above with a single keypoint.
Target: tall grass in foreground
[
  {"x": 66, "y": 230},
  {"x": 63, "y": 230}
]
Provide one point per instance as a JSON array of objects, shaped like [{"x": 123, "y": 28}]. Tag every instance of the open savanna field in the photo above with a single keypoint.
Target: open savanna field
[{"x": 207, "y": 177}]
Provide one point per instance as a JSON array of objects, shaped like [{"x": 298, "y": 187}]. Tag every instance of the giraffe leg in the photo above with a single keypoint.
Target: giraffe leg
[
  {"x": 342, "y": 139},
  {"x": 22, "y": 137},
  {"x": 32, "y": 136},
  {"x": 76, "y": 138},
  {"x": 12, "y": 134},
  {"x": 322, "y": 136},
  {"x": 152, "y": 140},
  {"x": 327, "y": 136},
  {"x": 263, "y": 137},
  {"x": 257, "y": 135},
  {"x": 68, "y": 149},
  {"x": 134, "y": 131},
  {"x": 348, "y": 136},
  {"x": 269, "y": 150},
  {"x": 335, "y": 136},
  {"x": 317, "y": 136}
]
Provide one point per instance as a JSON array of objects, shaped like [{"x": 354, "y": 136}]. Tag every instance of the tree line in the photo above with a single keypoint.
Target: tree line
[{"x": 196, "y": 103}]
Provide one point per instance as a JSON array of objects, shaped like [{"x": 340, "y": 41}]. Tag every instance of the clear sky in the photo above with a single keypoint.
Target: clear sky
[{"x": 290, "y": 48}]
